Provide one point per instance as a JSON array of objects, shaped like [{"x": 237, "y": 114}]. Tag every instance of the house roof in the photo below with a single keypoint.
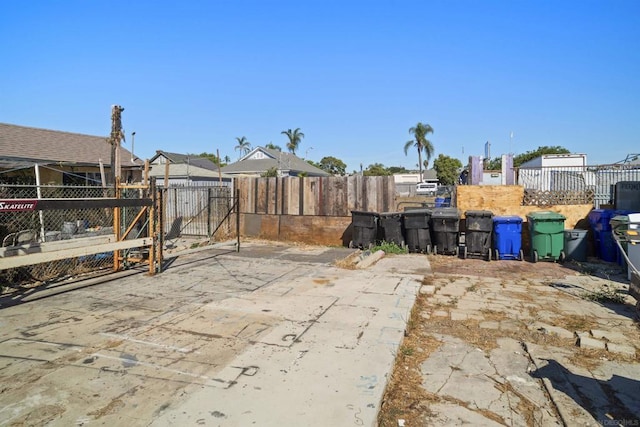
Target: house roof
[
  {"x": 30, "y": 145},
  {"x": 190, "y": 159},
  {"x": 261, "y": 159},
  {"x": 429, "y": 174},
  {"x": 184, "y": 170}
]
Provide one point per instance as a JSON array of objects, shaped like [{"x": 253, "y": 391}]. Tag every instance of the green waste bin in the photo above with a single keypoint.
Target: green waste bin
[{"x": 546, "y": 229}]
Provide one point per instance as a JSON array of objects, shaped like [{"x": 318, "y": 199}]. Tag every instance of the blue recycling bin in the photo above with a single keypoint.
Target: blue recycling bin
[
  {"x": 599, "y": 220},
  {"x": 507, "y": 237},
  {"x": 442, "y": 202}
]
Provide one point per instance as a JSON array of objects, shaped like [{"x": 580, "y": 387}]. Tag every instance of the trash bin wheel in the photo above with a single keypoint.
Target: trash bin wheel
[
  {"x": 350, "y": 244},
  {"x": 535, "y": 256},
  {"x": 562, "y": 257},
  {"x": 521, "y": 255},
  {"x": 489, "y": 255},
  {"x": 428, "y": 250},
  {"x": 497, "y": 254},
  {"x": 464, "y": 252},
  {"x": 435, "y": 249},
  {"x": 457, "y": 251}
]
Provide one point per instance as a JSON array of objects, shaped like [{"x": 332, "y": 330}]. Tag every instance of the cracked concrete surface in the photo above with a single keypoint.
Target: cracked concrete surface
[
  {"x": 273, "y": 335},
  {"x": 524, "y": 373}
]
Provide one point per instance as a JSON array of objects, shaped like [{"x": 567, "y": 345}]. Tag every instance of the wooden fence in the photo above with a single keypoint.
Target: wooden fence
[{"x": 333, "y": 196}]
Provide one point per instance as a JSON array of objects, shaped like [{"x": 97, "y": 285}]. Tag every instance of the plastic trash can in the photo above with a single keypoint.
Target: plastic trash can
[
  {"x": 442, "y": 202},
  {"x": 547, "y": 236},
  {"x": 633, "y": 251},
  {"x": 507, "y": 237},
  {"x": 477, "y": 235},
  {"x": 365, "y": 229},
  {"x": 619, "y": 224},
  {"x": 599, "y": 220},
  {"x": 445, "y": 226},
  {"x": 575, "y": 244},
  {"x": 417, "y": 231},
  {"x": 390, "y": 224}
]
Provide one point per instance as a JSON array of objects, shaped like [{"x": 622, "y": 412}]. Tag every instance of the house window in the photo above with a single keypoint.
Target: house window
[{"x": 81, "y": 178}]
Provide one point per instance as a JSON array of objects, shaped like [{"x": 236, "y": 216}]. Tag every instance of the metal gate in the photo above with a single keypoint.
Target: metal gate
[{"x": 200, "y": 211}]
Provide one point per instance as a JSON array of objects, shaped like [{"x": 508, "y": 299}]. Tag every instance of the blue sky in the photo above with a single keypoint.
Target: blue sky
[{"x": 354, "y": 76}]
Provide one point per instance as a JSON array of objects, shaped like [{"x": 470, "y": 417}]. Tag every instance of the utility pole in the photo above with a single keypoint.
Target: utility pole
[{"x": 117, "y": 135}]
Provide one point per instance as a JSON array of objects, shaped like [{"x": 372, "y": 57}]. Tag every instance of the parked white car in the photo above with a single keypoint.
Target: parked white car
[{"x": 426, "y": 188}]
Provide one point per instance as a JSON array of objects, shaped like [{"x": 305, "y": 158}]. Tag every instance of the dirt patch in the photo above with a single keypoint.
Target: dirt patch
[
  {"x": 507, "y": 269},
  {"x": 405, "y": 397}
]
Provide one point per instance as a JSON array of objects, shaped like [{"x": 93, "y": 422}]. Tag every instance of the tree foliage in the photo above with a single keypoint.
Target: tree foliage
[
  {"x": 332, "y": 165},
  {"x": 210, "y": 156},
  {"x": 496, "y": 163},
  {"x": 447, "y": 168},
  {"x": 397, "y": 169},
  {"x": 272, "y": 146},
  {"x": 295, "y": 137},
  {"x": 243, "y": 146},
  {"x": 421, "y": 143},
  {"x": 376, "y": 169},
  {"x": 270, "y": 173}
]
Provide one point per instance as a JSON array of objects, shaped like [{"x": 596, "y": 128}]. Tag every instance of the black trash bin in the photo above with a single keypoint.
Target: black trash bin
[
  {"x": 391, "y": 227},
  {"x": 365, "y": 229},
  {"x": 477, "y": 234},
  {"x": 445, "y": 224},
  {"x": 417, "y": 231}
]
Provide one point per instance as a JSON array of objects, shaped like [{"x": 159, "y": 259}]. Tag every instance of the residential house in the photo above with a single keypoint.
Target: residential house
[
  {"x": 261, "y": 160},
  {"x": 186, "y": 170},
  {"x": 58, "y": 157},
  {"x": 406, "y": 182},
  {"x": 556, "y": 172}
]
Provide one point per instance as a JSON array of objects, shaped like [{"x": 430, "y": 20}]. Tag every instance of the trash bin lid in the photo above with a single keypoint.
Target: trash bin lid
[
  {"x": 575, "y": 232},
  {"x": 364, "y": 213},
  {"x": 446, "y": 213},
  {"x": 545, "y": 216},
  {"x": 478, "y": 213},
  {"x": 507, "y": 219},
  {"x": 418, "y": 212},
  {"x": 390, "y": 214}
]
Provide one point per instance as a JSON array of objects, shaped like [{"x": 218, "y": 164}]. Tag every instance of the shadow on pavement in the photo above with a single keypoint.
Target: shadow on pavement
[{"x": 604, "y": 400}]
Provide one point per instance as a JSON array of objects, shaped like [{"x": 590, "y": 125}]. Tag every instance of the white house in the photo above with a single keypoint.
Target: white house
[
  {"x": 556, "y": 172},
  {"x": 557, "y": 160}
]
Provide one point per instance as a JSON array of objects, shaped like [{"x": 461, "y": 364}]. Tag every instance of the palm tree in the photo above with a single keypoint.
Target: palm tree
[
  {"x": 243, "y": 146},
  {"x": 272, "y": 146},
  {"x": 421, "y": 143},
  {"x": 295, "y": 136}
]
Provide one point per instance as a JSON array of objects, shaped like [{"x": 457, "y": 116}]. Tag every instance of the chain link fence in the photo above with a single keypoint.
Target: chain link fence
[{"x": 22, "y": 229}]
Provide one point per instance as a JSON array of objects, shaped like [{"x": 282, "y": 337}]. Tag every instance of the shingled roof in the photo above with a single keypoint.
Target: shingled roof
[
  {"x": 51, "y": 146},
  {"x": 191, "y": 159},
  {"x": 269, "y": 158}
]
